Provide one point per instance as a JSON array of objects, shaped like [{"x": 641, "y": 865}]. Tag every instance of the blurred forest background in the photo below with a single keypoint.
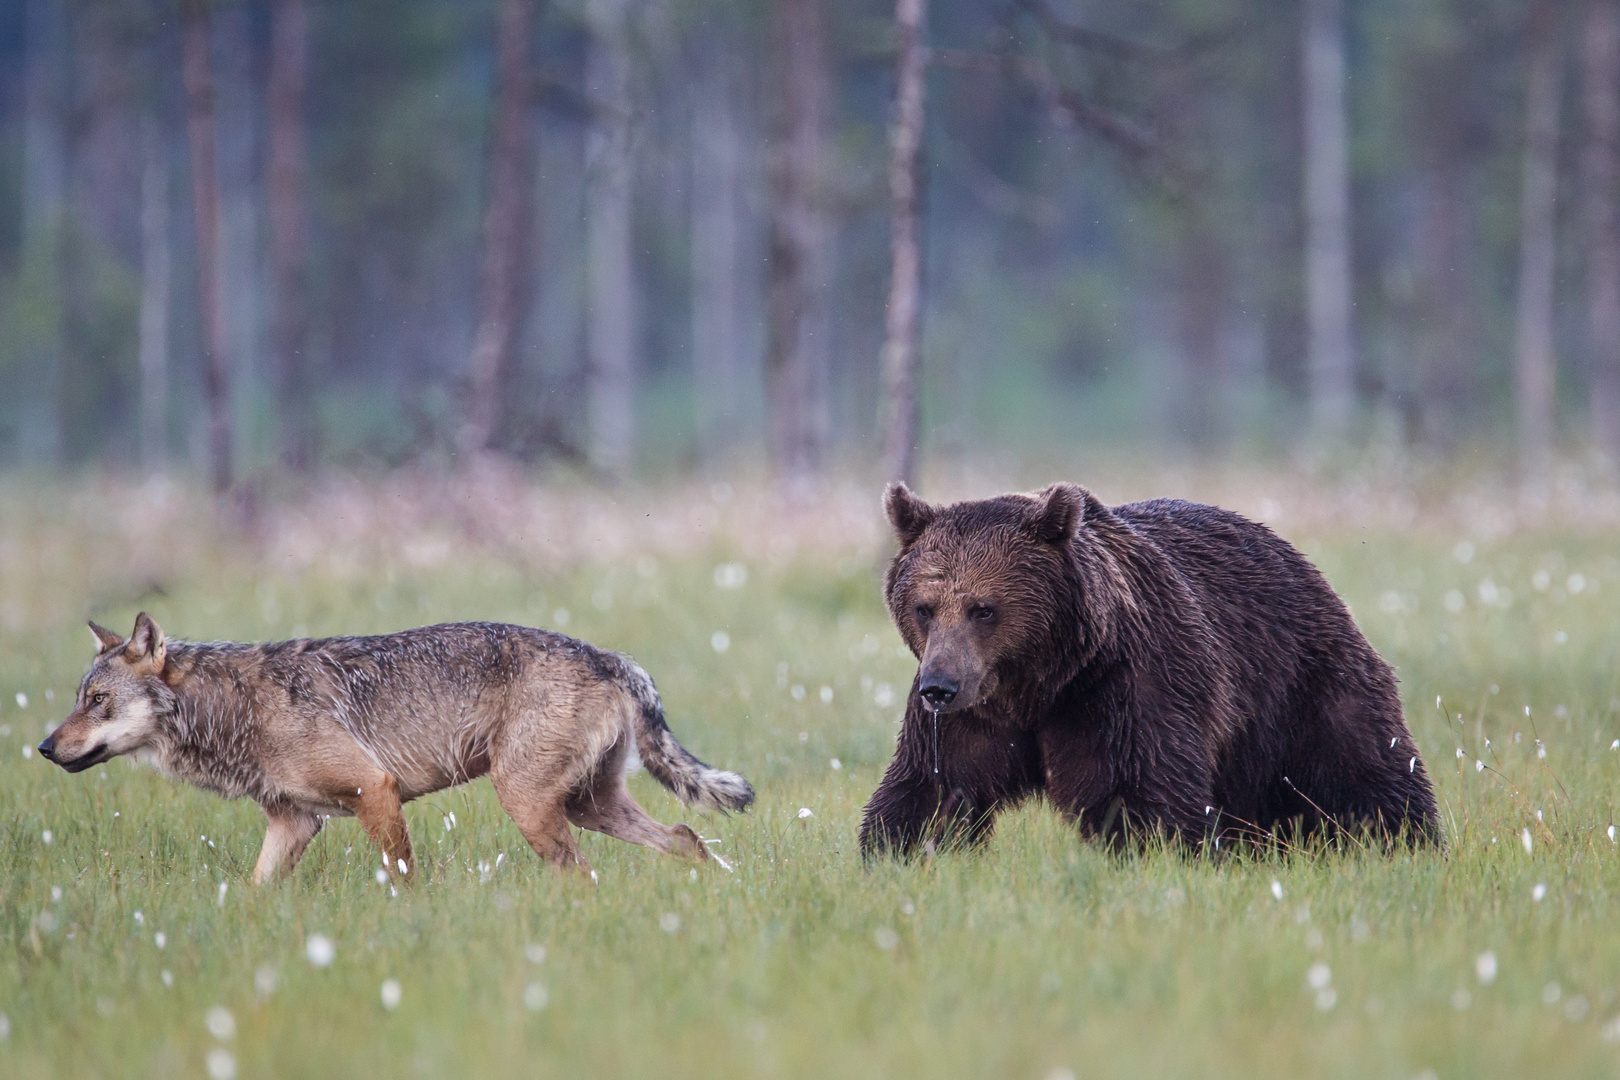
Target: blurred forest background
[{"x": 245, "y": 236}]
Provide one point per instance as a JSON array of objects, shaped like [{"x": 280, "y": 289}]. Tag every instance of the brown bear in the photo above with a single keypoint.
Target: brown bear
[{"x": 1157, "y": 668}]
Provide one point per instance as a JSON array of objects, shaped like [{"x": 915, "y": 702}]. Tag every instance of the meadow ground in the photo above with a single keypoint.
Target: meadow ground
[{"x": 127, "y": 924}]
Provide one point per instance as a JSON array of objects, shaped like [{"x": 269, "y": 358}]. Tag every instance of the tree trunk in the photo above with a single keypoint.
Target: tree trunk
[
  {"x": 156, "y": 262},
  {"x": 1330, "y": 359},
  {"x": 1201, "y": 315},
  {"x": 800, "y": 241},
  {"x": 287, "y": 178},
  {"x": 44, "y": 203},
  {"x": 898, "y": 362},
  {"x": 1536, "y": 362},
  {"x": 205, "y": 203},
  {"x": 610, "y": 298},
  {"x": 501, "y": 284},
  {"x": 1600, "y": 65},
  {"x": 717, "y": 208}
]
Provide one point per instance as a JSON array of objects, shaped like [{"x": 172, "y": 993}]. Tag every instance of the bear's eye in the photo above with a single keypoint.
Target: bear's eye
[
  {"x": 982, "y": 613},
  {"x": 925, "y": 612},
  {"x": 98, "y": 698}
]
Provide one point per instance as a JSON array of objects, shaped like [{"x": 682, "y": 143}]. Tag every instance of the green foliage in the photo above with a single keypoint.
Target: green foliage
[{"x": 1037, "y": 953}]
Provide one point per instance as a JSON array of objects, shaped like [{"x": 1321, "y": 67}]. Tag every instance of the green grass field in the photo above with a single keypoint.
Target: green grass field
[{"x": 126, "y": 917}]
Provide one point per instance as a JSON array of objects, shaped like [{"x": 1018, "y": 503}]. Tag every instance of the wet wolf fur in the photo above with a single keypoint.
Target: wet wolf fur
[
  {"x": 1161, "y": 667},
  {"x": 359, "y": 725}
]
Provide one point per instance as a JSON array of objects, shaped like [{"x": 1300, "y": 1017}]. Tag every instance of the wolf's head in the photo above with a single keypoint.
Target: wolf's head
[{"x": 119, "y": 700}]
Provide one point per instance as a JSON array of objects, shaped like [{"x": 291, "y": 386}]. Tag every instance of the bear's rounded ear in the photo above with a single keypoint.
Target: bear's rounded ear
[
  {"x": 147, "y": 643},
  {"x": 106, "y": 640},
  {"x": 908, "y": 514},
  {"x": 1058, "y": 513}
]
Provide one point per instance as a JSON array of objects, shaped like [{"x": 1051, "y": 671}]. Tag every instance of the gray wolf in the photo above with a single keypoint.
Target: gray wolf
[
  {"x": 357, "y": 726},
  {"x": 1161, "y": 667}
]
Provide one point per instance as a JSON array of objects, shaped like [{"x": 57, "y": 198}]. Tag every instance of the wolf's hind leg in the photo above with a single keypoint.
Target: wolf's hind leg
[
  {"x": 607, "y": 807},
  {"x": 380, "y": 815},
  {"x": 288, "y": 834},
  {"x": 538, "y": 811}
]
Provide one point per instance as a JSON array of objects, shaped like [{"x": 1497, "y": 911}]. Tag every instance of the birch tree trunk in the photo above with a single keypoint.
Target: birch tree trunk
[
  {"x": 44, "y": 204},
  {"x": 1330, "y": 359},
  {"x": 288, "y": 176},
  {"x": 717, "y": 207},
  {"x": 501, "y": 284},
  {"x": 198, "y": 78},
  {"x": 1600, "y": 78},
  {"x": 156, "y": 266},
  {"x": 800, "y": 240},
  {"x": 610, "y": 291},
  {"x": 1535, "y": 359},
  {"x": 898, "y": 361}
]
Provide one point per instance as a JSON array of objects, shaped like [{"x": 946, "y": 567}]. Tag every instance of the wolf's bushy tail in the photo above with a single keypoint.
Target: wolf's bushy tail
[{"x": 670, "y": 763}]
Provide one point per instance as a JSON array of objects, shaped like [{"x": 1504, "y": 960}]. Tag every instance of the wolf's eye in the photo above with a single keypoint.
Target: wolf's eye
[
  {"x": 924, "y": 612},
  {"x": 98, "y": 698}
]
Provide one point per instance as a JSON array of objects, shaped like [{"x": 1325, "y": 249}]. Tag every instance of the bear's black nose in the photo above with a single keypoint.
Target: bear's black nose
[{"x": 938, "y": 691}]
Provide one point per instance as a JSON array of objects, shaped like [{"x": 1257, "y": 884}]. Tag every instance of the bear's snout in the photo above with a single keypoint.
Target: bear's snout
[{"x": 938, "y": 690}]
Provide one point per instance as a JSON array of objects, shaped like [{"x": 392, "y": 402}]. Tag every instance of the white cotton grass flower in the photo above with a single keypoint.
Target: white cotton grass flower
[
  {"x": 535, "y": 953},
  {"x": 168, "y": 978},
  {"x": 140, "y": 918},
  {"x": 1551, "y": 993},
  {"x": 669, "y": 922},
  {"x": 47, "y": 836},
  {"x": 1461, "y": 999},
  {"x": 826, "y": 695},
  {"x": 835, "y": 764},
  {"x": 1319, "y": 976},
  {"x": 160, "y": 939},
  {"x": 224, "y": 887},
  {"x": 1611, "y": 834},
  {"x": 382, "y": 876},
  {"x": 730, "y": 575},
  {"x": 319, "y": 951},
  {"x": 1485, "y": 967},
  {"x": 1527, "y": 840},
  {"x": 720, "y": 641},
  {"x": 391, "y": 994},
  {"x": 805, "y": 812},
  {"x": 5, "y": 1027},
  {"x": 22, "y": 700},
  {"x": 221, "y": 1064},
  {"x": 264, "y": 981},
  {"x": 885, "y": 938},
  {"x": 1539, "y": 893},
  {"x": 221, "y": 1024},
  {"x": 535, "y": 997},
  {"x": 1276, "y": 889}
]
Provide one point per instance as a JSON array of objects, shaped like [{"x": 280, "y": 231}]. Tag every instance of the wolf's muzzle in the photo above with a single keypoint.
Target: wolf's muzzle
[{"x": 96, "y": 756}]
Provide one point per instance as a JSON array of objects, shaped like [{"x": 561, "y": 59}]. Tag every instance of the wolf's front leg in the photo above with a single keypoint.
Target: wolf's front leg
[
  {"x": 384, "y": 821},
  {"x": 288, "y": 834}
]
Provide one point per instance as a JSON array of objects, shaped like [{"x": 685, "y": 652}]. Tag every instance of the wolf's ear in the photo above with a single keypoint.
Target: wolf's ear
[
  {"x": 106, "y": 640},
  {"x": 147, "y": 644},
  {"x": 908, "y": 514},
  {"x": 1058, "y": 513}
]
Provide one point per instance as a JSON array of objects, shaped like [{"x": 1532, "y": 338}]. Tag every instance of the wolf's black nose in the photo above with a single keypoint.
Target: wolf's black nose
[
  {"x": 938, "y": 691},
  {"x": 47, "y": 749}
]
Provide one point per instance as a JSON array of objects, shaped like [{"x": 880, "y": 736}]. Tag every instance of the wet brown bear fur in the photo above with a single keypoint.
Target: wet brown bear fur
[{"x": 1160, "y": 667}]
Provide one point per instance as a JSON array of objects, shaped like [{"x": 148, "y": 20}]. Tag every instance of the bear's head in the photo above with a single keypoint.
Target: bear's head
[{"x": 980, "y": 590}]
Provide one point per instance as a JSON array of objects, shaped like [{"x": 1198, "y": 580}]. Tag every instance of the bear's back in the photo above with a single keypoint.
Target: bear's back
[{"x": 1273, "y": 614}]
